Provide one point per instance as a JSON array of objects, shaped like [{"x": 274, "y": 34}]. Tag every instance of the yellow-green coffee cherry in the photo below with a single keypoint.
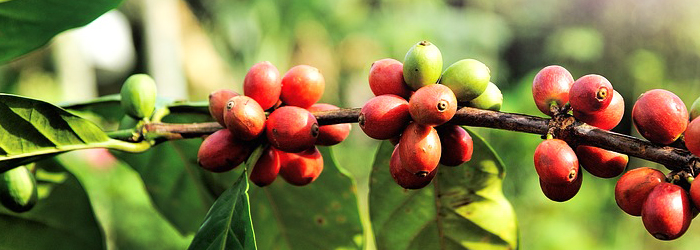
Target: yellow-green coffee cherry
[
  {"x": 695, "y": 109},
  {"x": 139, "y": 96},
  {"x": 491, "y": 99},
  {"x": 422, "y": 65},
  {"x": 18, "y": 190},
  {"x": 467, "y": 78}
]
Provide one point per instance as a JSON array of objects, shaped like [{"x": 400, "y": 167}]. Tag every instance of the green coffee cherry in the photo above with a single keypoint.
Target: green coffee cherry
[
  {"x": 491, "y": 99},
  {"x": 18, "y": 190},
  {"x": 422, "y": 65},
  {"x": 139, "y": 96},
  {"x": 695, "y": 109},
  {"x": 467, "y": 78}
]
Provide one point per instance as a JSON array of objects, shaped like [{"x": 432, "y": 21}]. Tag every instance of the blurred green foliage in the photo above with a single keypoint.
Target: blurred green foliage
[{"x": 637, "y": 45}]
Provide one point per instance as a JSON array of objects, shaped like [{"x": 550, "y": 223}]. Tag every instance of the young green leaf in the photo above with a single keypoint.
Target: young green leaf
[
  {"x": 228, "y": 224},
  {"x": 463, "y": 208}
]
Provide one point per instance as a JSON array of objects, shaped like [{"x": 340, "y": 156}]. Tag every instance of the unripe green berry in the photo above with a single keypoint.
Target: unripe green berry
[
  {"x": 422, "y": 65},
  {"x": 491, "y": 99},
  {"x": 467, "y": 78},
  {"x": 18, "y": 191},
  {"x": 139, "y": 96},
  {"x": 695, "y": 109}
]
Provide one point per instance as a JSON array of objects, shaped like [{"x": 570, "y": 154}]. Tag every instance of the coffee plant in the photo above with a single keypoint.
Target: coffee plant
[{"x": 435, "y": 183}]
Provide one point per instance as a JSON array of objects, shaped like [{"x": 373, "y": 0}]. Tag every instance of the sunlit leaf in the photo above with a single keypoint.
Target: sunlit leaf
[{"x": 463, "y": 208}]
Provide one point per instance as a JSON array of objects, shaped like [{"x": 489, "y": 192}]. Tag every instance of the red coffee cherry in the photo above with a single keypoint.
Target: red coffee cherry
[
  {"x": 384, "y": 117},
  {"x": 695, "y": 193},
  {"x": 633, "y": 188},
  {"x": 600, "y": 162},
  {"x": 660, "y": 116},
  {"x": 457, "y": 145},
  {"x": 590, "y": 93},
  {"x": 561, "y": 192},
  {"x": 244, "y": 118},
  {"x": 666, "y": 213},
  {"x": 404, "y": 178},
  {"x": 330, "y": 134},
  {"x": 292, "y": 129},
  {"x": 551, "y": 85},
  {"x": 263, "y": 83},
  {"x": 420, "y": 148},
  {"x": 556, "y": 162},
  {"x": 302, "y": 86},
  {"x": 692, "y": 137},
  {"x": 221, "y": 152},
  {"x": 301, "y": 168},
  {"x": 217, "y": 104},
  {"x": 386, "y": 77},
  {"x": 433, "y": 105},
  {"x": 266, "y": 168},
  {"x": 607, "y": 118}
]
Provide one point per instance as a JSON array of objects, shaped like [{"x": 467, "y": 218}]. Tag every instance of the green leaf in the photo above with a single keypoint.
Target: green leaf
[
  {"x": 321, "y": 215},
  {"x": 32, "y": 129},
  {"x": 122, "y": 205},
  {"x": 62, "y": 220},
  {"x": 228, "y": 224},
  {"x": 463, "y": 208},
  {"x": 28, "y": 24}
]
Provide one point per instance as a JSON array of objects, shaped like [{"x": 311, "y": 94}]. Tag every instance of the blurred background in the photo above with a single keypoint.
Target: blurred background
[{"x": 195, "y": 47}]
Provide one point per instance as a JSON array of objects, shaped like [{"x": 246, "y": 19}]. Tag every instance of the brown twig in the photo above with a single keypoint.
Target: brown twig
[{"x": 564, "y": 127}]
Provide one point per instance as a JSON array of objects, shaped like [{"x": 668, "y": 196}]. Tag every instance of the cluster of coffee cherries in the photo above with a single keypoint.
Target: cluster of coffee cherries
[
  {"x": 288, "y": 135},
  {"x": 413, "y": 101},
  {"x": 660, "y": 116},
  {"x": 593, "y": 101}
]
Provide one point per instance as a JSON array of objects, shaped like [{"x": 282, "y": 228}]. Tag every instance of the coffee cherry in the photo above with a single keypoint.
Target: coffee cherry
[
  {"x": 302, "y": 86},
  {"x": 633, "y": 188},
  {"x": 607, "y": 118},
  {"x": 692, "y": 137},
  {"x": 468, "y": 78},
  {"x": 292, "y": 129},
  {"x": 301, "y": 168},
  {"x": 384, "y": 117},
  {"x": 556, "y": 162},
  {"x": 600, "y": 162},
  {"x": 432, "y": 105},
  {"x": 386, "y": 77},
  {"x": 404, "y": 178},
  {"x": 217, "y": 104},
  {"x": 420, "y": 149},
  {"x": 491, "y": 99},
  {"x": 695, "y": 193},
  {"x": 18, "y": 189},
  {"x": 695, "y": 109},
  {"x": 660, "y": 116},
  {"x": 422, "y": 65},
  {"x": 329, "y": 135},
  {"x": 551, "y": 85},
  {"x": 561, "y": 192},
  {"x": 457, "y": 145},
  {"x": 221, "y": 152},
  {"x": 264, "y": 84},
  {"x": 666, "y": 213},
  {"x": 244, "y": 118},
  {"x": 590, "y": 93},
  {"x": 138, "y": 96},
  {"x": 266, "y": 168}
]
